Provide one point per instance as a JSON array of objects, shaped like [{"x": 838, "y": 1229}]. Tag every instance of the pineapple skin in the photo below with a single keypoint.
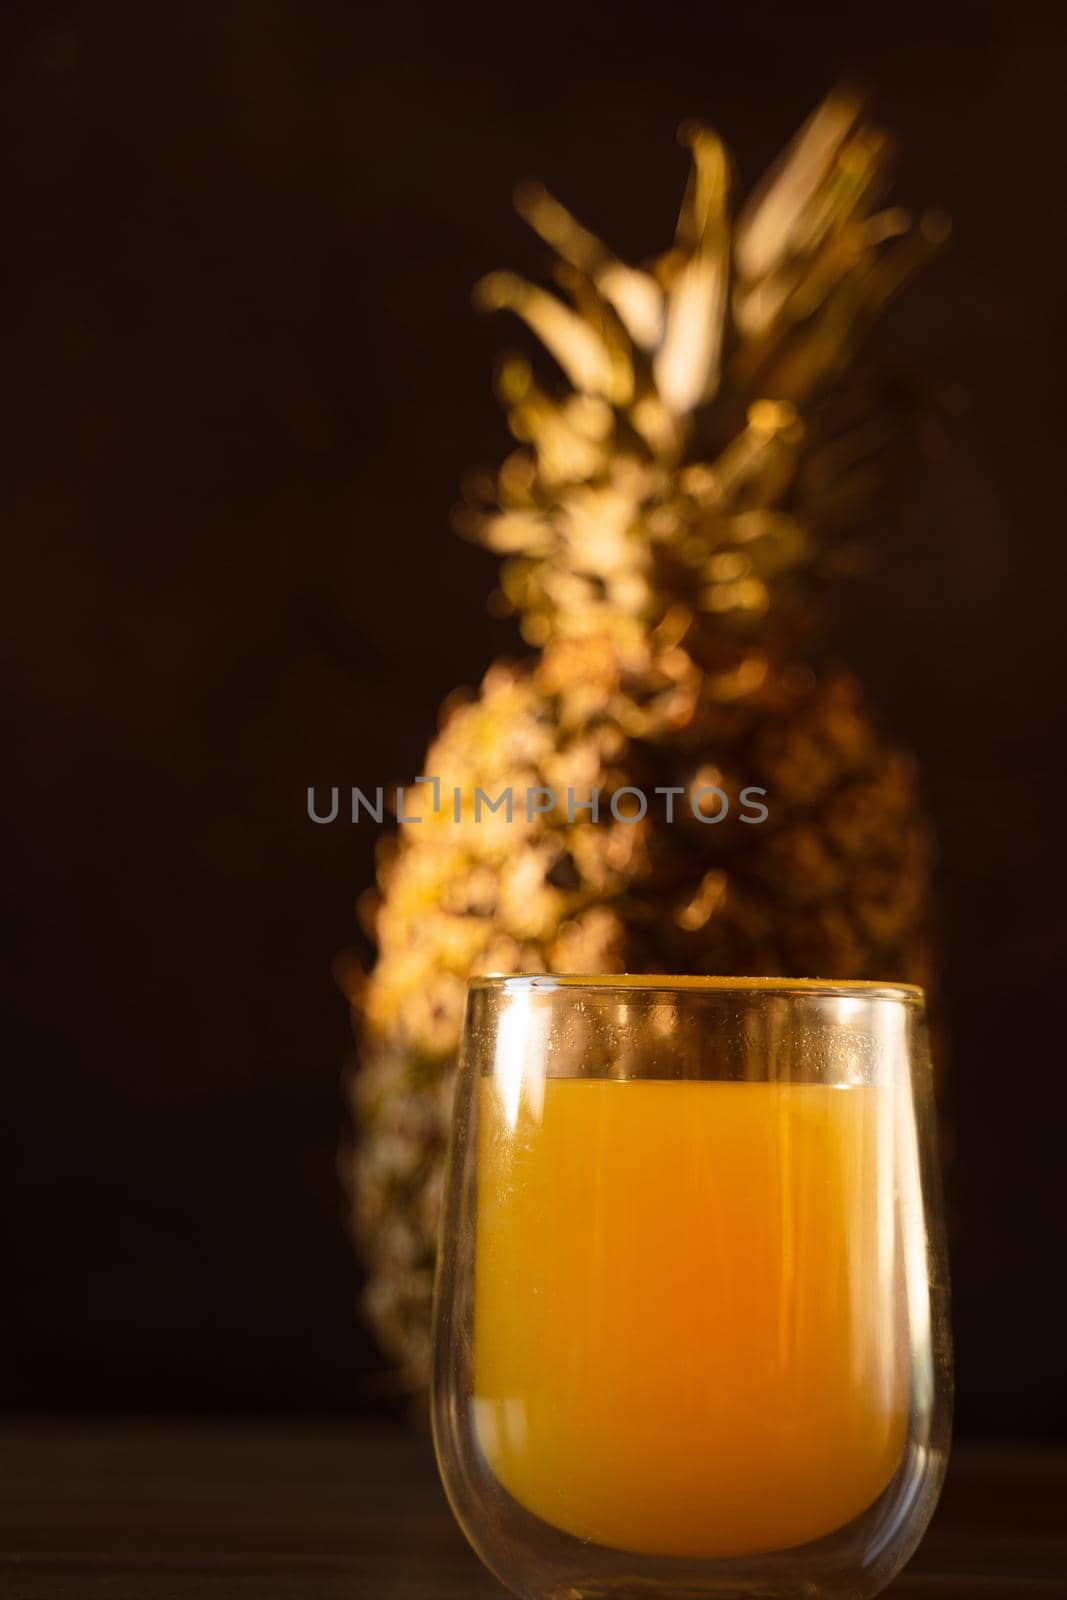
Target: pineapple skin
[
  {"x": 835, "y": 883},
  {"x": 670, "y": 526}
]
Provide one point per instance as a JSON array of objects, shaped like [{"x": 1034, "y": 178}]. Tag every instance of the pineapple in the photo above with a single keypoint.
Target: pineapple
[{"x": 670, "y": 523}]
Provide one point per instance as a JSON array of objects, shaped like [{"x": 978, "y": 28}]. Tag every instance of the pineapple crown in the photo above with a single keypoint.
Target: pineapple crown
[{"x": 695, "y": 484}]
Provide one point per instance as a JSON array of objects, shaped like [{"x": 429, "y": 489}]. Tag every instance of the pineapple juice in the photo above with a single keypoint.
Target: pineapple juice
[{"x": 689, "y": 1329}]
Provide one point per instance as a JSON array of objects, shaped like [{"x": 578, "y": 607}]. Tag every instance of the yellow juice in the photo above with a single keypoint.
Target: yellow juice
[{"x": 689, "y": 1325}]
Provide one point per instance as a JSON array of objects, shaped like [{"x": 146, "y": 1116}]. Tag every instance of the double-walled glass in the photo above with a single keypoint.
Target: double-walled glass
[{"x": 691, "y": 1331}]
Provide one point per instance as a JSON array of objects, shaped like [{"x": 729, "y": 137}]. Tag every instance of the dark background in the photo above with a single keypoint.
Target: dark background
[{"x": 247, "y": 380}]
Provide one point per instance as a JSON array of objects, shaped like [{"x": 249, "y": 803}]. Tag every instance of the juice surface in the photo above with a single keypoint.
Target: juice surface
[{"x": 689, "y": 1332}]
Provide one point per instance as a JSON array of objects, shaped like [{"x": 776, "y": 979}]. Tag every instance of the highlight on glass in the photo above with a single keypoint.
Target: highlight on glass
[{"x": 691, "y": 1318}]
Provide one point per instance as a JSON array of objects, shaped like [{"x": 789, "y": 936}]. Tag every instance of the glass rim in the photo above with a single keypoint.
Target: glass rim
[{"x": 668, "y": 983}]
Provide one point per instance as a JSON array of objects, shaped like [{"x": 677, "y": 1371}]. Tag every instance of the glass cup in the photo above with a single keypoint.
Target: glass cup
[{"x": 691, "y": 1316}]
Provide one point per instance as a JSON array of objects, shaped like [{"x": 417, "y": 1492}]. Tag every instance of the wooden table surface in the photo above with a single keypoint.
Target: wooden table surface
[{"x": 140, "y": 1512}]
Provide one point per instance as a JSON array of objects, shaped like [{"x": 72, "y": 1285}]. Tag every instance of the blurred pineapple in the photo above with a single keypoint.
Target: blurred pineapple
[{"x": 670, "y": 523}]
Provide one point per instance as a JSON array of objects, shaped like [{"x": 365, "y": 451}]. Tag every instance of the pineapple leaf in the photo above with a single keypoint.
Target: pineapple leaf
[
  {"x": 686, "y": 367},
  {"x": 635, "y": 296},
  {"x": 581, "y": 350},
  {"x": 775, "y": 215}
]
